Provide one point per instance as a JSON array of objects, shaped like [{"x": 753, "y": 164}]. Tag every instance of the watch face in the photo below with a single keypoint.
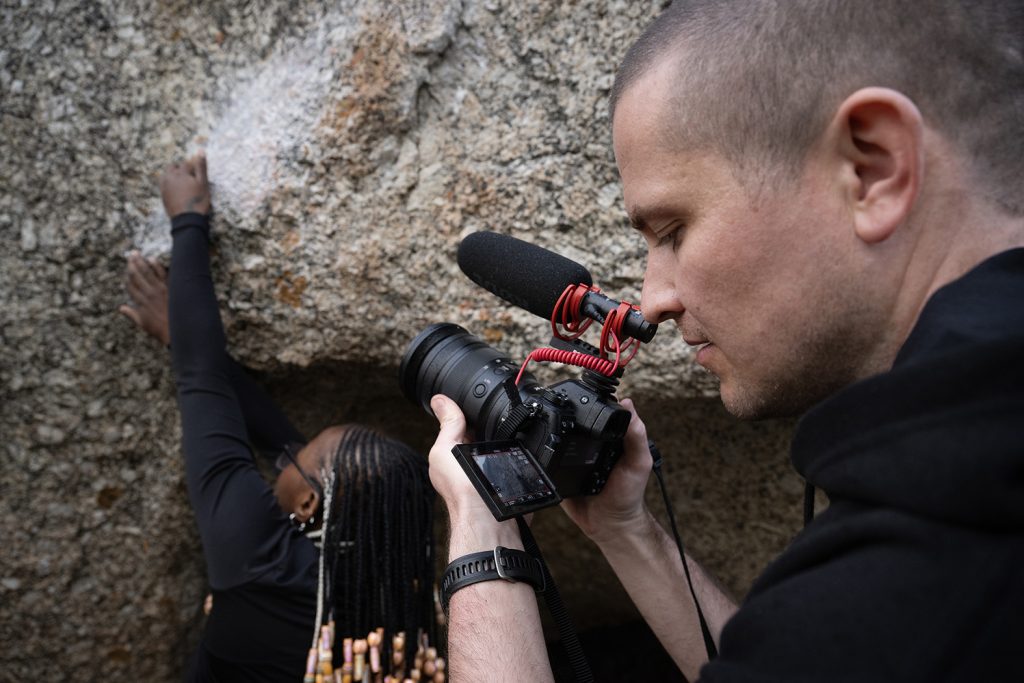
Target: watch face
[{"x": 507, "y": 476}]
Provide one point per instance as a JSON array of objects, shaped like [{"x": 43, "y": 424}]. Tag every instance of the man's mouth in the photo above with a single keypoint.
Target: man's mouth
[{"x": 700, "y": 347}]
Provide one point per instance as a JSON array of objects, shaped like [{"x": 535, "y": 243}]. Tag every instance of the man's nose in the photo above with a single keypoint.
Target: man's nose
[{"x": 659, "y": 300}]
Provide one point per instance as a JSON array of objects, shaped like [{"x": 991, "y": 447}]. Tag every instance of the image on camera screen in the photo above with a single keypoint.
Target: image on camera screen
[
  {"x": 513, "y": 475},
  {"x": 507, "y": 477}
]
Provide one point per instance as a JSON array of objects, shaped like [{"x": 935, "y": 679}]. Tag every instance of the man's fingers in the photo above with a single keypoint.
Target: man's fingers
[
  {"x": 637, "y": 430},
  {"x": 450, "y": 417},
  {"x": 635, "y": 441}
]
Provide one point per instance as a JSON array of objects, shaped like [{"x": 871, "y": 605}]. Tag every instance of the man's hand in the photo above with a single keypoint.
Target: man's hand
[
  {"x": 446, "y": 474},
  {"x": 184, "y": 187},
  {"x": 646, "y": 559},
  {"x": 620, "y": 505},
  {"x": 494, "y": 629}
]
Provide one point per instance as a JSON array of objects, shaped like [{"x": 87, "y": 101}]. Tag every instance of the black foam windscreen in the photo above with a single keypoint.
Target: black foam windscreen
[{"x": 521, "y": 273}]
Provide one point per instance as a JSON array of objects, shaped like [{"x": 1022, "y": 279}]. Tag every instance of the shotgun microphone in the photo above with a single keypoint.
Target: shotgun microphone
[{"x": 534, "y": 278}]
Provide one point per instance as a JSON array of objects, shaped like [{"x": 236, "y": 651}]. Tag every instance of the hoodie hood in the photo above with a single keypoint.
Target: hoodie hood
[{"x": 941, "y": 435}]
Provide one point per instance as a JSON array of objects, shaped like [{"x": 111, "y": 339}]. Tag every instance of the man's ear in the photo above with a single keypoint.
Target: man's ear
[{"x": 879, "y": 135}]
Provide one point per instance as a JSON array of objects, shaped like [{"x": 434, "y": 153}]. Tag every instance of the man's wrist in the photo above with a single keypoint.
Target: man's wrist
[
  {"x": 623, "y": 531},
  {"x": 474, "y": 529}
]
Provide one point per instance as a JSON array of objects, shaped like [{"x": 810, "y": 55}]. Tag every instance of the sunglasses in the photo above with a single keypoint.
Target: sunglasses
[{"x": 287, "y": 457}]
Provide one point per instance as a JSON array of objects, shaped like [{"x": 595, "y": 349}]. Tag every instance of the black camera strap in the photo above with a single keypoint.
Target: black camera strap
[
  {"x": 518, "y": 412},
  {"x": 709, "y": 643},
  {"x": 570, "y": 639}
]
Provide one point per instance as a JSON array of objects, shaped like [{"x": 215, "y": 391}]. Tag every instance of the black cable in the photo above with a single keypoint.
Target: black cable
[
  {"x": 570, "y": 639},
  {"x": 709, "y": 643}
]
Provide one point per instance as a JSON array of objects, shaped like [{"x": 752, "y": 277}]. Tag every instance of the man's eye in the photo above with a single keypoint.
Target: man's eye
[{"x": 673, "y": 237}]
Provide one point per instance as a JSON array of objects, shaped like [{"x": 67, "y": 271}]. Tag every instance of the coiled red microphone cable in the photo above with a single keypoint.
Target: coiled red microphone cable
[{"x": 567, "y": 315}]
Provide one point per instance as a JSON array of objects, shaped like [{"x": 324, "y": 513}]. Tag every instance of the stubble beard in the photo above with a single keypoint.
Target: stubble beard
[{"x": 842, "y": 352}]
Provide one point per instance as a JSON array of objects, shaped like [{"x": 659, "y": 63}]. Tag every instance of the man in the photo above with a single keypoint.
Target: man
[{"x": 830, "y": 195}]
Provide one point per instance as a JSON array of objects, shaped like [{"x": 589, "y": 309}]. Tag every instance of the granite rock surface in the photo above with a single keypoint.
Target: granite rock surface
[{"x": 351, "y": 146}]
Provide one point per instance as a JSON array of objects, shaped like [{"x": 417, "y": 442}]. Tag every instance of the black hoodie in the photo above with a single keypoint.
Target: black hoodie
[{"x": 915, "y": 572}]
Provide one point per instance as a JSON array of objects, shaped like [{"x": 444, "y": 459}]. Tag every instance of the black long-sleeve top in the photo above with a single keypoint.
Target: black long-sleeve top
[{"x": 262, "y": 571}]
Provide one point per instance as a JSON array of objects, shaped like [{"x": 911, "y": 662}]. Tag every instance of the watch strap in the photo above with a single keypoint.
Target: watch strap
[{"x": 501, "y": 563}]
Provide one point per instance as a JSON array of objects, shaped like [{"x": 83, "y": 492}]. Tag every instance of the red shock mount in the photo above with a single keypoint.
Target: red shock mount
[{"x": 567, "y": 315}]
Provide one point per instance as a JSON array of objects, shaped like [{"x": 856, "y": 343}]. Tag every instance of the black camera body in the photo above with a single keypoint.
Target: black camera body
[{"x": 540, "y": 443}]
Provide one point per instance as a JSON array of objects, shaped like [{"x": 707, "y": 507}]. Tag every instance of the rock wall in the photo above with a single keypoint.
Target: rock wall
[{"x": 351, "y": 145}]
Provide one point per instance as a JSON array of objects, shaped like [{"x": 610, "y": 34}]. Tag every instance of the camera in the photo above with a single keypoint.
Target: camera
[{"x": 539, "y": 444}]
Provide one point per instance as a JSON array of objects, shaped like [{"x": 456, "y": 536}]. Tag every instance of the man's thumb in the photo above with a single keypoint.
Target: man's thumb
[{"x": 447, "y": 413}]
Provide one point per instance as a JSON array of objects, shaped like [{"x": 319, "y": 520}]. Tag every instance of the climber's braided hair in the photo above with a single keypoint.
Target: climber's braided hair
[{"x": 378, "y": 544}]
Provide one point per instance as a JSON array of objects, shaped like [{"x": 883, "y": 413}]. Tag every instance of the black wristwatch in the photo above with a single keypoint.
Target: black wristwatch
[{"x": 501, "y": 563}]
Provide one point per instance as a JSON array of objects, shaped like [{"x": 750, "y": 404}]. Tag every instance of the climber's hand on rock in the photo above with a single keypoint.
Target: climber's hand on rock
[{"x": 184, "y": 187}]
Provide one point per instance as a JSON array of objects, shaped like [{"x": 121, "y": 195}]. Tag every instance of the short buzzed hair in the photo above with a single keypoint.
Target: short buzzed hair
[{"x": 758, "y": 80}]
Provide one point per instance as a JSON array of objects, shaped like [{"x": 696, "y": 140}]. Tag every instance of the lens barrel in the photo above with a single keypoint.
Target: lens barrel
[{"x": 446, "y": 359}]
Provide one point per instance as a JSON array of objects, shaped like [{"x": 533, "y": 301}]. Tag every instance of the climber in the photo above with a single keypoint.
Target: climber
[{"x": 351, "y": 490}]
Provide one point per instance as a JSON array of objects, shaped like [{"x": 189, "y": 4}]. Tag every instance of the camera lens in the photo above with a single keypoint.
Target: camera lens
[
  {"x": 412, "y": 362},
  {"x": 446, "y": 359}
]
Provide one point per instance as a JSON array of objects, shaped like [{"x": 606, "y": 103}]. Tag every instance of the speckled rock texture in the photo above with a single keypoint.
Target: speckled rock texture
[{"x": 351, "y": 145}]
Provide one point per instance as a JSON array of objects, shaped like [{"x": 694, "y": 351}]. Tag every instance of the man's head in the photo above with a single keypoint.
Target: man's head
[{"x": 801, "y": 170}]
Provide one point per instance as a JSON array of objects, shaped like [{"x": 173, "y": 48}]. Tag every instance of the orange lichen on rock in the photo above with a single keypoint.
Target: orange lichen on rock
[
  {"x": 375, "y": 75},
  {"x": 290, "y": 240},
  {"x": 492, "y": 335},
  {"x": 290, "y": 288}
]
